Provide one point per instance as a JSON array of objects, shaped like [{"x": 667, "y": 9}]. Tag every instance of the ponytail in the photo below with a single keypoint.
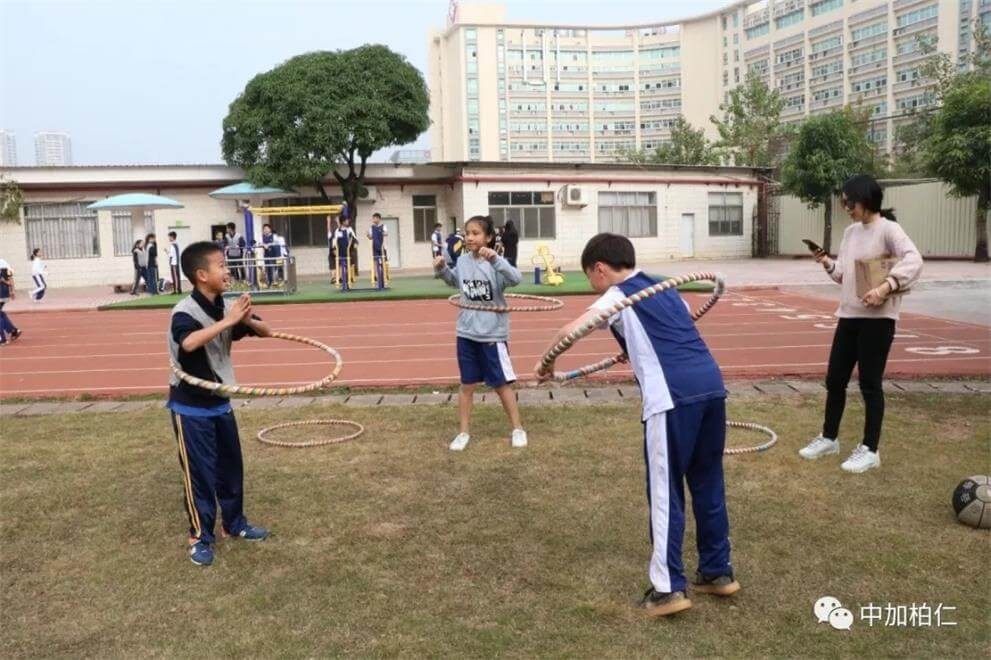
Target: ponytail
[{"x": 889, "y": 214}]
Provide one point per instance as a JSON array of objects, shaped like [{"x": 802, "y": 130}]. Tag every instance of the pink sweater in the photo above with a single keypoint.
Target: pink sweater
[{"x": 880, "y": 238}]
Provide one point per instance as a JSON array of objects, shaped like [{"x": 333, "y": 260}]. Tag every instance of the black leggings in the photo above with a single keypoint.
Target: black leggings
[{"x": 865, "y": 343}]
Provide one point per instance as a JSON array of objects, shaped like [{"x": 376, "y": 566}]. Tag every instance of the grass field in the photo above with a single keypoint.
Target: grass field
[
  {"x": 402, "y": 288},
  {"x": 392, "y": 545}
]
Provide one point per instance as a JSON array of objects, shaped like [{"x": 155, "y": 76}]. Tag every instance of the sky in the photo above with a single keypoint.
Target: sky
[{"x": 150, "y": 81}]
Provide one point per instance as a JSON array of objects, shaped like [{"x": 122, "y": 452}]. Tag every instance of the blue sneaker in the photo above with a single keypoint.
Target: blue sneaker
[
  {"x": 200, "y": 553},
  {"x": 250, "y": 533}
]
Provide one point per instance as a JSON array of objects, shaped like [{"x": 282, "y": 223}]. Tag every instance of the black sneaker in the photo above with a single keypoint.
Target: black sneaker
[
  {"x": 15, "y": 335},
  {"x": 657, "y": 603},
  {"x": 718, "y": 585}
]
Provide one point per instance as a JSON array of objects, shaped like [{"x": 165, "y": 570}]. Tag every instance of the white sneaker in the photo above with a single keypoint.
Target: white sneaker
[
  {"x": 519, "y": 438},
  {"x": 861, "y": 460},
  {"x": 819, "y": 447},
  {"x": 460, "y": 442}
]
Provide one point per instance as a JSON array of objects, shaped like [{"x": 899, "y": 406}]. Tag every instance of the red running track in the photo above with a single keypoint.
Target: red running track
[{"x": 753, "y": 334}]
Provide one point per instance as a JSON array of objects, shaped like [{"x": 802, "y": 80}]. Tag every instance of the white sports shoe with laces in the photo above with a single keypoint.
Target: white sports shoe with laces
[
  {"x": 861, "y": 460},
  {"x": 820, "y": 446},
  {"x": 460, "y": 442},
  {"x": 519, "y": 438}
]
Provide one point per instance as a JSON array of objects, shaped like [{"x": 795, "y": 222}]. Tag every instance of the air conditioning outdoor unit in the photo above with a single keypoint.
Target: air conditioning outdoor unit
[{"x": 575, "y": 195}]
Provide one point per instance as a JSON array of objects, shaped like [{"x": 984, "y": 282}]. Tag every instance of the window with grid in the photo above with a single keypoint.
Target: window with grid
[
  {"x": 124, "y": 233},
  {"x": 531, "y": 212},
  {"x": 632, "y": 214},
  {"x": 725, "y": 214},
  {"x": 424, "y": 217},
  {"x": 301, "y": 230},
  {"x": 62, "y": 231}
]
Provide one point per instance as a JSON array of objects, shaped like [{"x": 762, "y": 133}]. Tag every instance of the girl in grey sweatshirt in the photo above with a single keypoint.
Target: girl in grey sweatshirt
[{"x": 483, "y": 355}]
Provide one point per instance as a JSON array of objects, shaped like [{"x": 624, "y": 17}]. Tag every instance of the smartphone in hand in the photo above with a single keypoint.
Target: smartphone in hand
[{"x": 812, "y": 245}]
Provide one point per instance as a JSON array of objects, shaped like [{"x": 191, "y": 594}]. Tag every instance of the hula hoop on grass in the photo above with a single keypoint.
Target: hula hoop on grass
[
  {"x": 550, "y": 304},
  {"x": 268, "y": 391},
  {"x": 548, "y": 359},
  {"x": 750, "y": 426},
  {"x": 312, "y": 443}
]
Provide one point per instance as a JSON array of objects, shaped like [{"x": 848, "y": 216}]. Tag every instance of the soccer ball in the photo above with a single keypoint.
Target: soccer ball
[{"x": 972, "y": 501}]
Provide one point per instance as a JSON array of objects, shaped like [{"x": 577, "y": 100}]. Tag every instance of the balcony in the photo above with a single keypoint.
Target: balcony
[
  {"x": 757, "y": 18},
  {"x": 787, "y": 6},
  {"x": 906, "y": 85},
  {"x": 825, "y": 54},
  {"x": 868, "y": 41},
  {"x": 869, "y": 67},
  {"x": 828, "y": 78},
  {"x": 909, "y": 57},
  {"x": 915, "y": 28}
]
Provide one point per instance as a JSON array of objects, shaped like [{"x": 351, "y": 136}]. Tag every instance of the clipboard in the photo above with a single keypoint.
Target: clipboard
[{"x": 871, "y": 273}]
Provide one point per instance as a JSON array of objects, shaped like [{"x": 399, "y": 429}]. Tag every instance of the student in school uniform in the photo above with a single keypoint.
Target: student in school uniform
[
  {"x": 344, "y": 242},
  {"x": 140, "y": 260},
  {"x": 151, "y": 252},
  {"x": 235, "y": 245},
  {"x": 38, "y": 270},
  {"x": 174, "y": 263},
  {"x": 376, "y": 234},
  {"x": 437, "y": 241},
  {"x": 6, "y": 294}
]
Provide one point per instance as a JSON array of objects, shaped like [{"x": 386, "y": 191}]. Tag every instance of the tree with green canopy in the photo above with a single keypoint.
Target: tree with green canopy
[
  {"x": 688, "y": 146},
  {"x": 325, "y": 112},
  {"x": 828, "y": 150},
  {"x": 751, "y": 128}
]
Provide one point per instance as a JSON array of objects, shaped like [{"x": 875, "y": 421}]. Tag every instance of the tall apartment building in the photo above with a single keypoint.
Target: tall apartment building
[
  {"x": 8, "y": 149},
  {"x": 526, "y": 92},
  {"x": 52, "y": 149}
]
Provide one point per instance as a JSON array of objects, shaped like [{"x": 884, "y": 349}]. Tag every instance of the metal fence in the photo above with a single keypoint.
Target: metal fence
[
  {"x": 271, "y": 275},
  {"x": 940, "y": 225}
]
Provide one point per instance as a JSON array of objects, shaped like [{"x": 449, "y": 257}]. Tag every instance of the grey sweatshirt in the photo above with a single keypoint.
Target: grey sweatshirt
[{"x": 481, "y": 282}]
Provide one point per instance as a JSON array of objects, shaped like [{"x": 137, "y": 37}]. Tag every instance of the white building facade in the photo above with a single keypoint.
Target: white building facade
[
  {"x": 8, "y": 149},
  {"x": 52, "y": 149},
  {"x": 669, "y": 213},
  {"x": 505, "y": 91}
]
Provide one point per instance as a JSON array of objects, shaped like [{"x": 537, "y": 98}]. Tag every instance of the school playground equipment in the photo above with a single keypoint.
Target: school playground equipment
[{"x": 545, "y": 260}]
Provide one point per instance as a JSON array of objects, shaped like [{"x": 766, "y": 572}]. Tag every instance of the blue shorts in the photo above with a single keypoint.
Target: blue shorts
[{"x": 484, "y": 361}]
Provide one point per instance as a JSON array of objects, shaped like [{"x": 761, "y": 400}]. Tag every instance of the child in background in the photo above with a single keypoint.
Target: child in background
[
  {"x": 482, "y": 275},
  {"x": 174, "y": 273},
  {"x": 38, "y": 275},
  {"x": 6, "y": 294},
  {"x": 437, "y": 241}
]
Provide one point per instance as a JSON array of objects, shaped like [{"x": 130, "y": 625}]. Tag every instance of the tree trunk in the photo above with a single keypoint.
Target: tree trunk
[
  {"x": 827, "y": 230},
  {"x": 981, "y": 249}
]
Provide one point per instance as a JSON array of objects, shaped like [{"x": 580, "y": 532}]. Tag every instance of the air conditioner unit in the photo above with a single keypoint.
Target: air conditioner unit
[
  {"x": 372, "y": 194},
  {"x": 575, "y": 195}
]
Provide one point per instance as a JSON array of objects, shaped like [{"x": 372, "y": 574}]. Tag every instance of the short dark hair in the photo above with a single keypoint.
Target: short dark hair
[
  {"x": 266, "y": 225},
  {"x": 195, "y": 257},
  {"x": 488, "y": 226},
  {"x": 611, "y": 249},
  {"x": 438, "y": 225},
  {"x": 149, "y": 237},
  {"x": 231, "y": 225},
  {"x": 172, "y": 234},
  {"x": 377, "y": 215}
]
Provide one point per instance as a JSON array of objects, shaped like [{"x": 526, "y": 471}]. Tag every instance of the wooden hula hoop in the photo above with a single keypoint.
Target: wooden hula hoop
[
  {"x": 268, "y": 391},
  {"x": 550, "y": 305},
  {"x": 595, "y": 322},
  {"x": 750, "y": 426},
  {"x": 312, "y": 443}
]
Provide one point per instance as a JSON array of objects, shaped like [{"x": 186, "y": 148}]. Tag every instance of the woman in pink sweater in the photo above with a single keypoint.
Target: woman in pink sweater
[{"x": 865, "y": 324}]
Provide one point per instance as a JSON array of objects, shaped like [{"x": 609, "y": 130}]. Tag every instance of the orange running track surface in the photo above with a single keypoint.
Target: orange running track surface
[{"x": 753, "y": 334}]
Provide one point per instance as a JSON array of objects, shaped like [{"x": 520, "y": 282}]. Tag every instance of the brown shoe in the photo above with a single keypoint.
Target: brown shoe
[
  {"x": 720, "y": 585},
  {"x": 656, "y": 603}
]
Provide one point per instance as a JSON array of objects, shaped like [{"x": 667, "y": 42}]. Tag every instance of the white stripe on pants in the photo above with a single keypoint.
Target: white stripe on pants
[
  {"x": 656, "y": 453},
  {"x": 505, "y": 362},
  {"x": 39, "y": 281}
]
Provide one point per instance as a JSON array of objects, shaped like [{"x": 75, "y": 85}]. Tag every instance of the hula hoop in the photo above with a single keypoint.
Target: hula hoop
[
  {"x": 555, "y": 351},
  {"x": 268, "y": 391},
  {"x": 550, "y": 305},
  {"x": 311, "y": 443},
  {"x": 750, "y": 426}
]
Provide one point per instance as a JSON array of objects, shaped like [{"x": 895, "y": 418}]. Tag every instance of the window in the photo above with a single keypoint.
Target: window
[
  {"x": 876, "y": 55},
  {"x": 824, "y": 6},
  {"x": 301, "y": 230},
  {"x": 869, "y": 31},
  {"x": 531, "y": 212},
  {"x": 826, "y": 44},
  {"x": 725, "y": 214},
  {"x": 63, "y": 231},
  {"x": 424, "y": 217},
  {"x": 758, "y": 30},
  {"x": 789, "y": 56},
  {"x": 917, "y": 16},
  {"x": 632, "y": 214},
  {"x": 869, "y": 84},
  {"x": 789, "y": 19},
  {"x": 124, "y": 232}
]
